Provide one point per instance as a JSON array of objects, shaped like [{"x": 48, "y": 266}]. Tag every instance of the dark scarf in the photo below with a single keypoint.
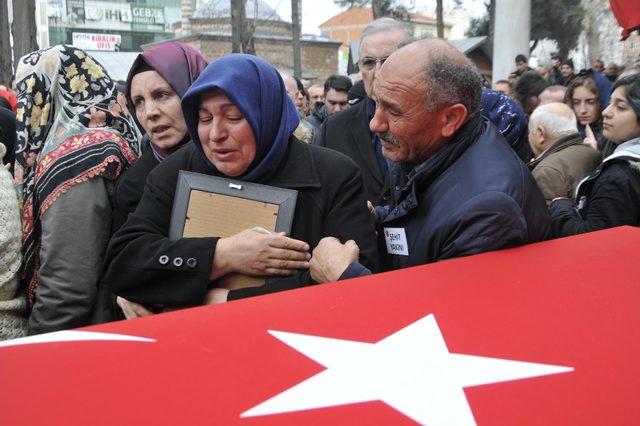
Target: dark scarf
[
  {"x": 180, "y": 65},
  {"x": 257, "y": 90}
]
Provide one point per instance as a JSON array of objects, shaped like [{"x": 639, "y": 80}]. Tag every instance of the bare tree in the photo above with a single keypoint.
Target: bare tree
[
  {"x": 248, "y": 28},
  {"x": 295, "y": 30},
  {"x": 24, "y": 28},
  {"x": 238, "y": 16},
  {"x": 439, "y": 19},
  {"x": 242, "y": 29},
  {"x": 6, "y": 70}
]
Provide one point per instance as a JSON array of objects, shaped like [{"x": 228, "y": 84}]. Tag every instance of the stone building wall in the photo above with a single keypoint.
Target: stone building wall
[{"x": 319, "y": 59}]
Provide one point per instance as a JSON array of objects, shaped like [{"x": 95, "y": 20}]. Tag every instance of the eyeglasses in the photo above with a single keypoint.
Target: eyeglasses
[{"x": 368, "y": 64}]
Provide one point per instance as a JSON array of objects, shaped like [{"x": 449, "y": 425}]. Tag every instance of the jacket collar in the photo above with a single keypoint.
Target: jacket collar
[
  {"x": 298, "y": 169},
  {"x": 559, "y": 145},
  {"x": 628, "y": 151}
]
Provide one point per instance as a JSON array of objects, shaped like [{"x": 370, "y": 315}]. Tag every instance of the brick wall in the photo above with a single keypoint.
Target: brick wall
[{"x": 319, "y": 58}]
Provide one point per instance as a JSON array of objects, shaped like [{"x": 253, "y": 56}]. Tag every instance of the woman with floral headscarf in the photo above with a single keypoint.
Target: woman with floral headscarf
[
  {"x": 241, "y": 122},
  {"x": 74, "y": 138}
]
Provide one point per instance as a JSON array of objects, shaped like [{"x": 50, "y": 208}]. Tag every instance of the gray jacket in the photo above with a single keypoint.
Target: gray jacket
[{"x": 75, "y": 233}]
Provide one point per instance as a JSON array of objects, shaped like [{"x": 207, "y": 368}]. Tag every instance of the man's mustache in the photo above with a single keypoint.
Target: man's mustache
[{"x": 388, "y": 137}]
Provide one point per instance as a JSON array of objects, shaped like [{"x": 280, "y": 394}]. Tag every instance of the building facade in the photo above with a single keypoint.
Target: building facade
[
  {"x": 209, "y": 31},
  {"x": 111, "y": 25}
]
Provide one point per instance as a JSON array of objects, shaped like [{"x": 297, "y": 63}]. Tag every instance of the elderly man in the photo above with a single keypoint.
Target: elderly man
[
  {"x": 458, "y": 188},
  {"x": 551, "y": 94},
  {"x": 562, "y": 160},
  {"x": 348, "y": 132}
]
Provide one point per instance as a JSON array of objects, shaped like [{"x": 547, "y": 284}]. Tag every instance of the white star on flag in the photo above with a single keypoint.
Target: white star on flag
[{"x": 411, "y": 370}]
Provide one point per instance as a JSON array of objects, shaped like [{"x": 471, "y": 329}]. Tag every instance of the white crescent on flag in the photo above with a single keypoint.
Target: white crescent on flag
[{"x": 73, "y": 336}]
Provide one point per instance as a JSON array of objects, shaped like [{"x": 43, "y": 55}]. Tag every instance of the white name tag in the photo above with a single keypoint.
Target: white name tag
[{"x": 396, "y": 241}]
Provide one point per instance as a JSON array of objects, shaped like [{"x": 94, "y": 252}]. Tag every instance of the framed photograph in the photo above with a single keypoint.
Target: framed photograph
[{"x": 211, "y": 206}]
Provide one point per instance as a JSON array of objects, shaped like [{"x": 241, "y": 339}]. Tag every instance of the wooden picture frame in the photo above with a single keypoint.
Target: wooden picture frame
[{"x": 212, "y": 206}]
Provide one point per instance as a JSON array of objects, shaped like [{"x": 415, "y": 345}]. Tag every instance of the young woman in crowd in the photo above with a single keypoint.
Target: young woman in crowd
[
  {"x": 610, "y": 196},
  {"x": 583, "y": 97},
  {"x": 241, "y": 122},
  {"x": 74, "y": 138},
  {"x": 158, "y": 79}
]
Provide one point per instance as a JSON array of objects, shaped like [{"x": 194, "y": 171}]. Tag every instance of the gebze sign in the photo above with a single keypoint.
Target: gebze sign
[{"x": 89, "y": 41}]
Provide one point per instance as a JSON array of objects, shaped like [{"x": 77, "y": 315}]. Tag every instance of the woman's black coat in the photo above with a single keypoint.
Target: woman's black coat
[
  {"x": 330, "y": 202},
  {"x": 130, "y": 187}
]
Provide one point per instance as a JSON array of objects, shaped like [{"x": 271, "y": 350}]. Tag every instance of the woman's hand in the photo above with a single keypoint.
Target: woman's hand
[
  {"x": 590, "y": 140},
  {"x": 251, "y": 252},
  {"x": 131, "y": 309},
  {"x": 215, "y": 296}
]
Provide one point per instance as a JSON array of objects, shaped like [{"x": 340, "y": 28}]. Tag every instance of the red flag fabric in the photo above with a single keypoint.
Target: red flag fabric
[
  {"x": 571, "y": 303},
  {"x": 627, "y": 12}
]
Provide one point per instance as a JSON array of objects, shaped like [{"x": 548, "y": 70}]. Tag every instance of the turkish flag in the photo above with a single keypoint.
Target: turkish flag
[
  {"x": 565, "y": 310},
  {"x": 627, "y": 12}
]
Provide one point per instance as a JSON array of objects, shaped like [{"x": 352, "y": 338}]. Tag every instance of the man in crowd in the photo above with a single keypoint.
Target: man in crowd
[
  {"x": 553, "y": 93},
  {"x": 316, "y": 94},
  {"x": 336, "y": 94},
  {"x": 562, "y": 160},
  {"x": 556, "y": 63},
  {"x": 349, "y": 132},
  {"x": 502, "y": 86},
  {"x": 304, "y": 132},
  {"x": 527, "y": 91},
  {"x": 522, "y": 65},
  {"x": 598, "y": 66},
  {"x": 568, "y": 72},
  {"x": 611, "y": 72},
  {"x": 457, "y": 187}
]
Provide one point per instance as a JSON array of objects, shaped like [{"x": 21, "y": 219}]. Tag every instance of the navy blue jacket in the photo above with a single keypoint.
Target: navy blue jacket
[{"x": 486, "y": 199}]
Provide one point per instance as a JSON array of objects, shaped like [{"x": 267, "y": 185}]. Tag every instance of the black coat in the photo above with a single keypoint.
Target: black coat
[
  {"x": 330, "y": 203},
  {"x": 130, "y": 187},
  {"x": 348, "y": 132},
  {"x": 608, "y": 197}
]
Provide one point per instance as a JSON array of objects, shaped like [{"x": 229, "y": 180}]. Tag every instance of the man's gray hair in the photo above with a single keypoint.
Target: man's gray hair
[
  {"x": 386, "y": 24},
  {"x": 452, "y": 82},
  {"x": 556, "y": 125}
]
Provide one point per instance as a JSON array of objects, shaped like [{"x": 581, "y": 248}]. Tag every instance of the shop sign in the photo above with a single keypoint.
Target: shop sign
[{"x": 93, "y": 41}]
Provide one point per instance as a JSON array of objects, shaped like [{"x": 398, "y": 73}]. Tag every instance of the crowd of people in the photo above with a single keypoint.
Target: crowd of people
[{"x": 414, "y": 162}]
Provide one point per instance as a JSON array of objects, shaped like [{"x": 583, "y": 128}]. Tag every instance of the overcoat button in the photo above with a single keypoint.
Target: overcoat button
[
  {"x": 177, "y": 262},
  {"x": 164, "y": 259}
]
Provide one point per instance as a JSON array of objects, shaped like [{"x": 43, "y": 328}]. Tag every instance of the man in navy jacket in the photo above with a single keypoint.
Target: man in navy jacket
[{"x": 457, "y": 187}]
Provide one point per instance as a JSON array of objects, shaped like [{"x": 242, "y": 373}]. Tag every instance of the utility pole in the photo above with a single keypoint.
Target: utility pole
[
  {"x": 295, "y": 28},
  {"x": 512, "y": 34}
]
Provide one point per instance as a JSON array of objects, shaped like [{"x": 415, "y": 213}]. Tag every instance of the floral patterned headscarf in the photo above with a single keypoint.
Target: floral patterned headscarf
[{"x": 71, "y": 125}]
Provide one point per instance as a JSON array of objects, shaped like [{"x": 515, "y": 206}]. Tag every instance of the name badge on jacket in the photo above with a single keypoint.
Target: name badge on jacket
[{"x": 396, "y": 241}]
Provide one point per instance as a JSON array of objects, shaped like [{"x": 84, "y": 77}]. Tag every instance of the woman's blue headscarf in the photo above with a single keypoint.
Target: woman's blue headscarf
[{"x": 257, "y": 89}]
